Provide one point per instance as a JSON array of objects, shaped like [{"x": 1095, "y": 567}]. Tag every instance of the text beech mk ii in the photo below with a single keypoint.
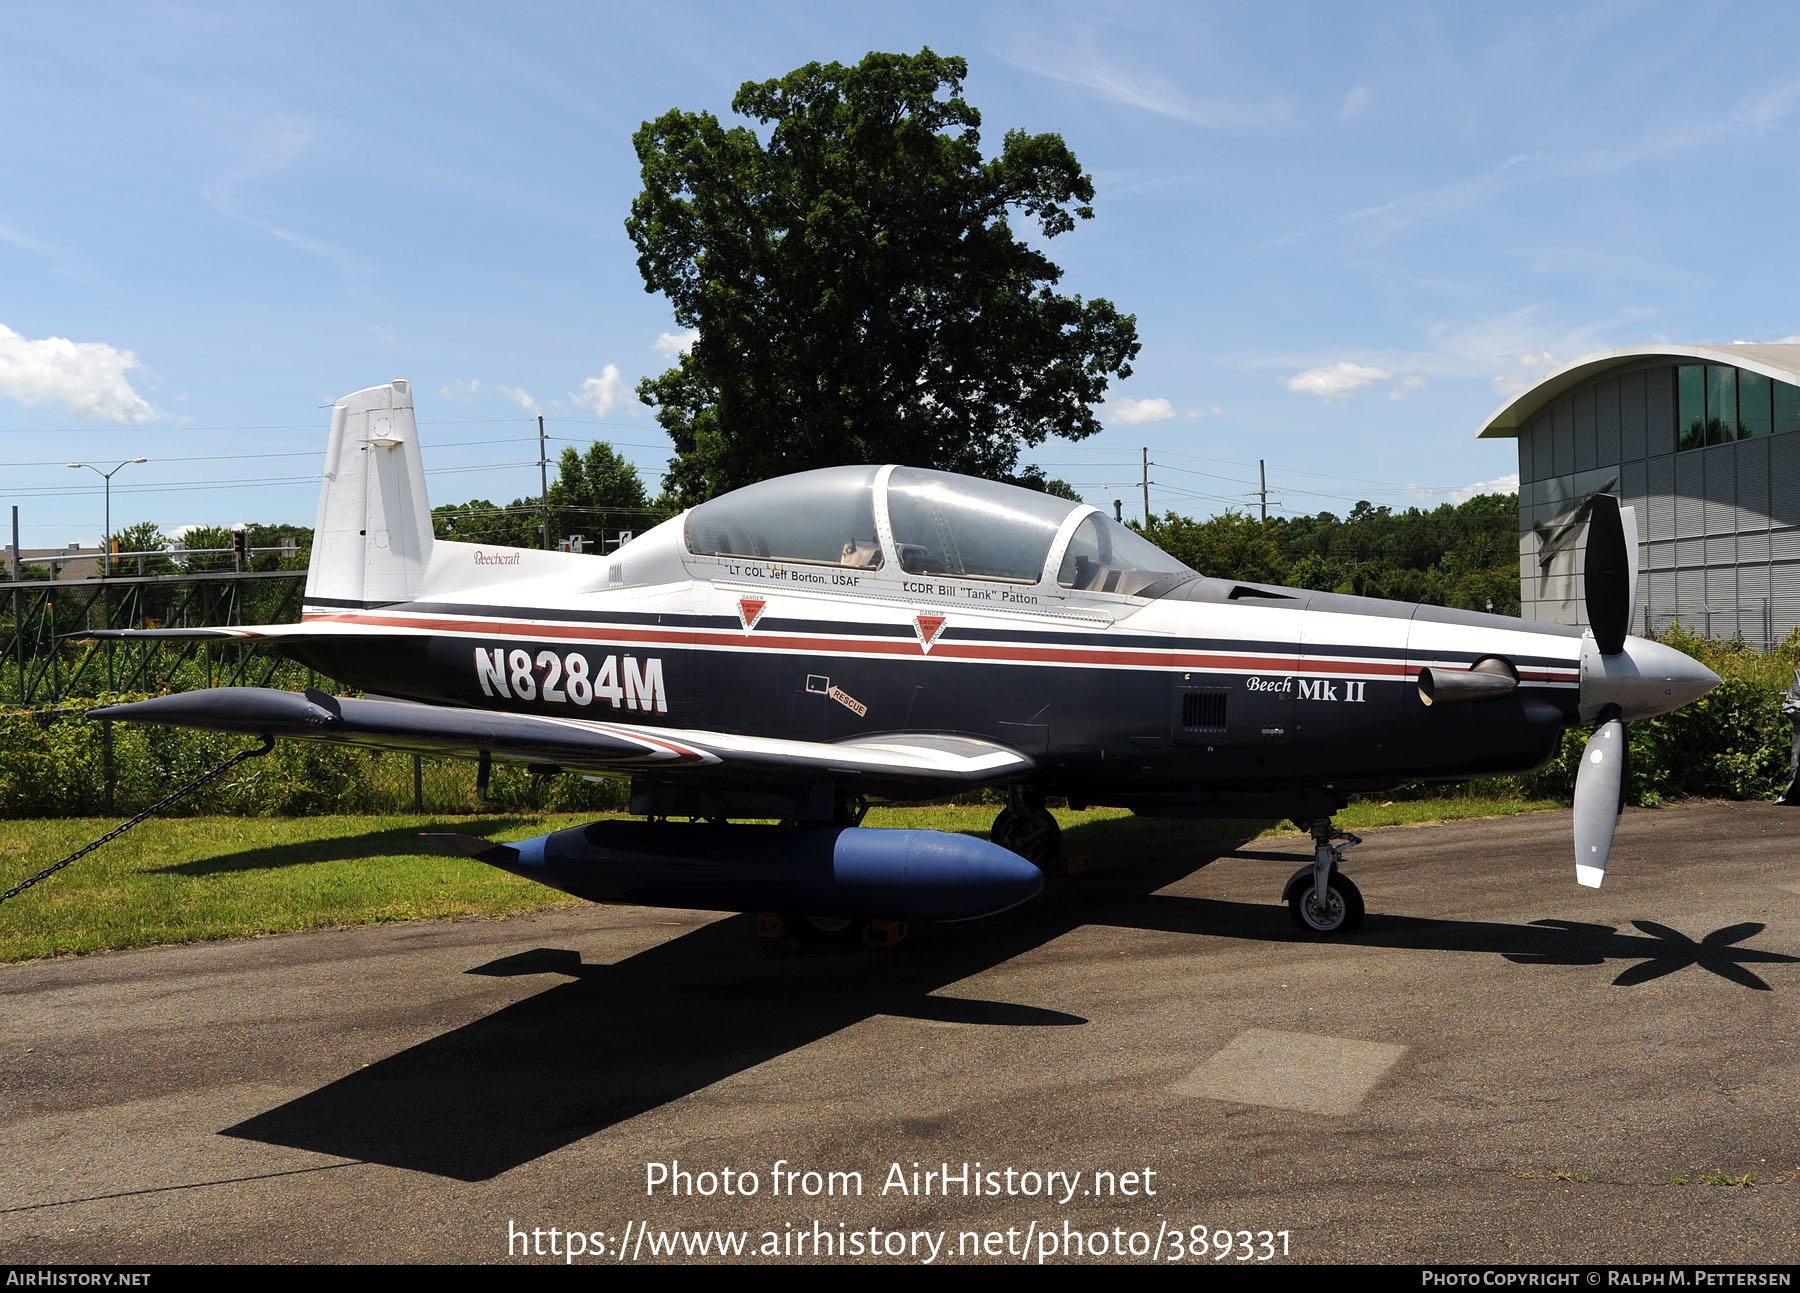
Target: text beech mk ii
[{"x": 797, "y": 647}]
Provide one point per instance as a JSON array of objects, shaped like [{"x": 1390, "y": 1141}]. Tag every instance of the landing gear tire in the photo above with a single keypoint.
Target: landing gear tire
[
  {"x": 1341, "y": 913},
  {"x": 835, "y": 928},
  {"x": 1032, "y": 833}
]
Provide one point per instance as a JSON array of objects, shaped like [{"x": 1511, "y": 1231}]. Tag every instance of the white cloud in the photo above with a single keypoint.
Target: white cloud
[
  {"x": 1529, "y": 369},
  {"x": 601, "y": 395},
  {"x": 1354, "y": 102},
  {"x": 676, "y": 343},
  {"x": 1074, "y": 59},
  {"x": 1196, "y": 414},
  {"x": 86, "y": 377},
  {"x": 522, "y": 399},
  {"x": 1406, "y": 386},
  {"x": 1131, "y": 411},
  {"x": 1504, "y": 485},
  {"x": 460, "y": 391},
  {"x": 1335, "y": 383},
  {"x": 1764, "y": 109}
]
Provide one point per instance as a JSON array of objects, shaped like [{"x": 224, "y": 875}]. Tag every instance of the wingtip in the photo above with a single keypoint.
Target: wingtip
[{"x": 1590, "y": 876}]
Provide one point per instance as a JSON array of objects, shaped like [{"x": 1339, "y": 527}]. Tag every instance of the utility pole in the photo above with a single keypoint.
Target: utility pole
[
  {"x": 544, "y": 481},
  {"x": 1262, "y": 475},
  {"x": 1146, "y": 487}
]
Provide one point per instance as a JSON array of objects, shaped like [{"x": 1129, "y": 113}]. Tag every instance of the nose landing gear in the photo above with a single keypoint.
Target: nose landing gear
[
  {"x": 1321, "y": 899},
  {"x": 1026, "y": 827}
]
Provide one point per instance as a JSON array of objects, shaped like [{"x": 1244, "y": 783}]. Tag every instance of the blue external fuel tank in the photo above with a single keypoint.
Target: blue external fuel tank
[{"x": 836, "y": 870}]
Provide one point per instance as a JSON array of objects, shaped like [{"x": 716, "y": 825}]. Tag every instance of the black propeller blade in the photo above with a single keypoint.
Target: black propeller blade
[{"x": 1609, "y": 575}]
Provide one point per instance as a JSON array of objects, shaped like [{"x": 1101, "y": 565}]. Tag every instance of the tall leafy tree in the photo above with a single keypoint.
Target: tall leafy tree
[{"x": 858, "y": 288}]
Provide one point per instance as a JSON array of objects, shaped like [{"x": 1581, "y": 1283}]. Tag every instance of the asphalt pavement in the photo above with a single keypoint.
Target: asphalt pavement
[{"x": 1500, "y": 1067}]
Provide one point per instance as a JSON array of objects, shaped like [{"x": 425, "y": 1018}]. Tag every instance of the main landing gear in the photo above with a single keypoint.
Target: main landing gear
[
  {"x": 1321, "y": 899},
  {"x": 1026, "y": 827}
]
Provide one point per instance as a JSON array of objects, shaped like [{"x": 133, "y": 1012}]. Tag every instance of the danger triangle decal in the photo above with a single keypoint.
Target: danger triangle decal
[
  {"x": 928, "y": 628},
  {"x": 749, "y": 610}
]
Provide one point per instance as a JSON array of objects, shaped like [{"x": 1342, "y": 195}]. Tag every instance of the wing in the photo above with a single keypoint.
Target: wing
[{"x": 895, "y": 764}]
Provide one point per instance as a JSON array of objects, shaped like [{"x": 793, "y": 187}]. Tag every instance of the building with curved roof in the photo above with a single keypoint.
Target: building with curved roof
[{"x": 1704, "y": 441}]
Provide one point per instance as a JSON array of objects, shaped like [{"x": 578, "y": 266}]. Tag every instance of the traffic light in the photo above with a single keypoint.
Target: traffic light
[{"x": 240, "y": 543}]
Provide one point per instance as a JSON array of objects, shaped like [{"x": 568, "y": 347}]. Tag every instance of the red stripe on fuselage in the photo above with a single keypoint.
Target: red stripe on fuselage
[{"x": 1008, "y": 653}]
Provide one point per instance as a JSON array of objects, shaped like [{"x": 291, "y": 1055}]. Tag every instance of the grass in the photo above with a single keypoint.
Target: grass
[{"x": 177, "y": 880}]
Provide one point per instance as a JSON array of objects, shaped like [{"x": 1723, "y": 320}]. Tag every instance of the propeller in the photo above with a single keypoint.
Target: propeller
[
  {"x": 1611, "y": 591},
  {"x": 1622, "y": 678}
]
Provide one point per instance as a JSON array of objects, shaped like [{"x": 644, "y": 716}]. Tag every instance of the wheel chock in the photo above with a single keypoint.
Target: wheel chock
[
  {"x": 771, "y": 925},
  {"x": 1067, "y": 864},
  {"x": 884, "y": 933}
]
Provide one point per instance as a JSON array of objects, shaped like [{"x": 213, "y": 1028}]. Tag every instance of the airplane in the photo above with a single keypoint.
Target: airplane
[{"x": 798, "y": 647}]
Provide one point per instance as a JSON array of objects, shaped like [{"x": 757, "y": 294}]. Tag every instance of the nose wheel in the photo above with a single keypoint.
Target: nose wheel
[
  {"x": 1322, "y": 899},
  {"x": 1026, "y": 827}
]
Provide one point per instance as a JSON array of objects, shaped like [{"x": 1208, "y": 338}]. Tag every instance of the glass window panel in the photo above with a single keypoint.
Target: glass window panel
[
  {"x": 1721, "y": 404},
  {"x": 1105, "y": 557},
  {"x": 1753, "y": 404},
  {"x": 956, "y": 525},
  {"x": 825, "y": 516},
  {"x": 1787, "y": 407},
  {"x": 1690, "y": 382}
]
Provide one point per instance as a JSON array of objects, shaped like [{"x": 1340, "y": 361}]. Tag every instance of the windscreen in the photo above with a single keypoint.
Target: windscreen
[
  {"x": 1105, "y": 557},
  {"x": 957, "y": 525}
]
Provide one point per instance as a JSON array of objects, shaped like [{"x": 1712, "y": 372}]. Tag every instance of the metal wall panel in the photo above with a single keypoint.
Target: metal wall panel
[
  {"x": 1606, "y": 418},
  {"x": 1690, "y": 554},
  {"x": 1784, "y": 597},
  {"x": 1659, "y": 410},
  {"x": 1657, "y": 593},
  {"x": 1720, "y": 464},
  {"x": 1659, "y": 495},
  {"x": 1527, "y": 471},
  {"x": 1631, "y": 416},
  {"x": 1784, "y": 479},
  {"x": 1784, "y": 545},
  {"x": 1753, "y": 599},
  {"x": 1721, "y": 550},
  {"x": 1587, "y": 444},
  {"x": 1752, "y": 483},
  {"x": 1753, "y": 545},
  {"x": 1562, "y": 432},
  {"x": 1657, "y": 556},
  {"x": 1634, "y": 483},
  {"x": 1690, "y": 495}
]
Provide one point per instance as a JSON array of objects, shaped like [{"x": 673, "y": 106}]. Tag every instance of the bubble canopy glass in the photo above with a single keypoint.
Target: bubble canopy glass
[{"x": 940, "y": 524}]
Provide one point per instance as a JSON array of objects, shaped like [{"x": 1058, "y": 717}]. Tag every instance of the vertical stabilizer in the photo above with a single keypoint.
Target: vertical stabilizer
[{"x": 373, "y": 536}]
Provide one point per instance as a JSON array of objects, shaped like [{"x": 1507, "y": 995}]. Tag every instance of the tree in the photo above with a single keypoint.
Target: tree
[
  {"x": 596, "y": 493},
  {"x": 593, "y": 493},
  {"x": 857, "y": 287}
]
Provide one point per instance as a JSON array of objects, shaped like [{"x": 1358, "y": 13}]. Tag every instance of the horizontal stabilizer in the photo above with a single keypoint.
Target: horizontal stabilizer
[{"x": 895, "y": 764}]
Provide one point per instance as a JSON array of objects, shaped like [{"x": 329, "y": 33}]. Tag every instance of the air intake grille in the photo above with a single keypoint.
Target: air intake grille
[{"x": 1203, "y": 711}]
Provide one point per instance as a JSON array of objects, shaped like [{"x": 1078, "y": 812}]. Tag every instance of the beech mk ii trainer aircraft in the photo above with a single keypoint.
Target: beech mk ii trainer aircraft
[{"x": 797, "y": 647}]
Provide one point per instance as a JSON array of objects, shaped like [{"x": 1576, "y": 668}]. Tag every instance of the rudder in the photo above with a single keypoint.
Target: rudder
[{"x": 373, "y": 537}]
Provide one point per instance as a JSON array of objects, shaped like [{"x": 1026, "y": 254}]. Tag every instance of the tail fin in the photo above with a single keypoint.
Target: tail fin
[{"x": 373, "y": 537}]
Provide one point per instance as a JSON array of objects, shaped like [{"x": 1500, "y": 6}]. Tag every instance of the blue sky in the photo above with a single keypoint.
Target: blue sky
[{"x": 1348, "y": 231}]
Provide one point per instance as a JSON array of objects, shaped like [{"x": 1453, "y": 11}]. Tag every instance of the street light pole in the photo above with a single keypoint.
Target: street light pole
[{"x": 106, "y": 542}]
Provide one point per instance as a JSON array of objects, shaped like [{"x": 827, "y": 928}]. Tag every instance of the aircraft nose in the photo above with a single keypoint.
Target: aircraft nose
[{"x": 1644, "y": 679}]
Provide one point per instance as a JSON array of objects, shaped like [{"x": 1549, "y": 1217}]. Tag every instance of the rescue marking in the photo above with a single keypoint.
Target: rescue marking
[{"x": 848, "y": 701}]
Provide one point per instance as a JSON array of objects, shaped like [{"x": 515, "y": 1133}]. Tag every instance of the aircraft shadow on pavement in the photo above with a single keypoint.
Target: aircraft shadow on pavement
[
  {"x": 614, "y": 1041},
  {"x": 399, "y": 840}
]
